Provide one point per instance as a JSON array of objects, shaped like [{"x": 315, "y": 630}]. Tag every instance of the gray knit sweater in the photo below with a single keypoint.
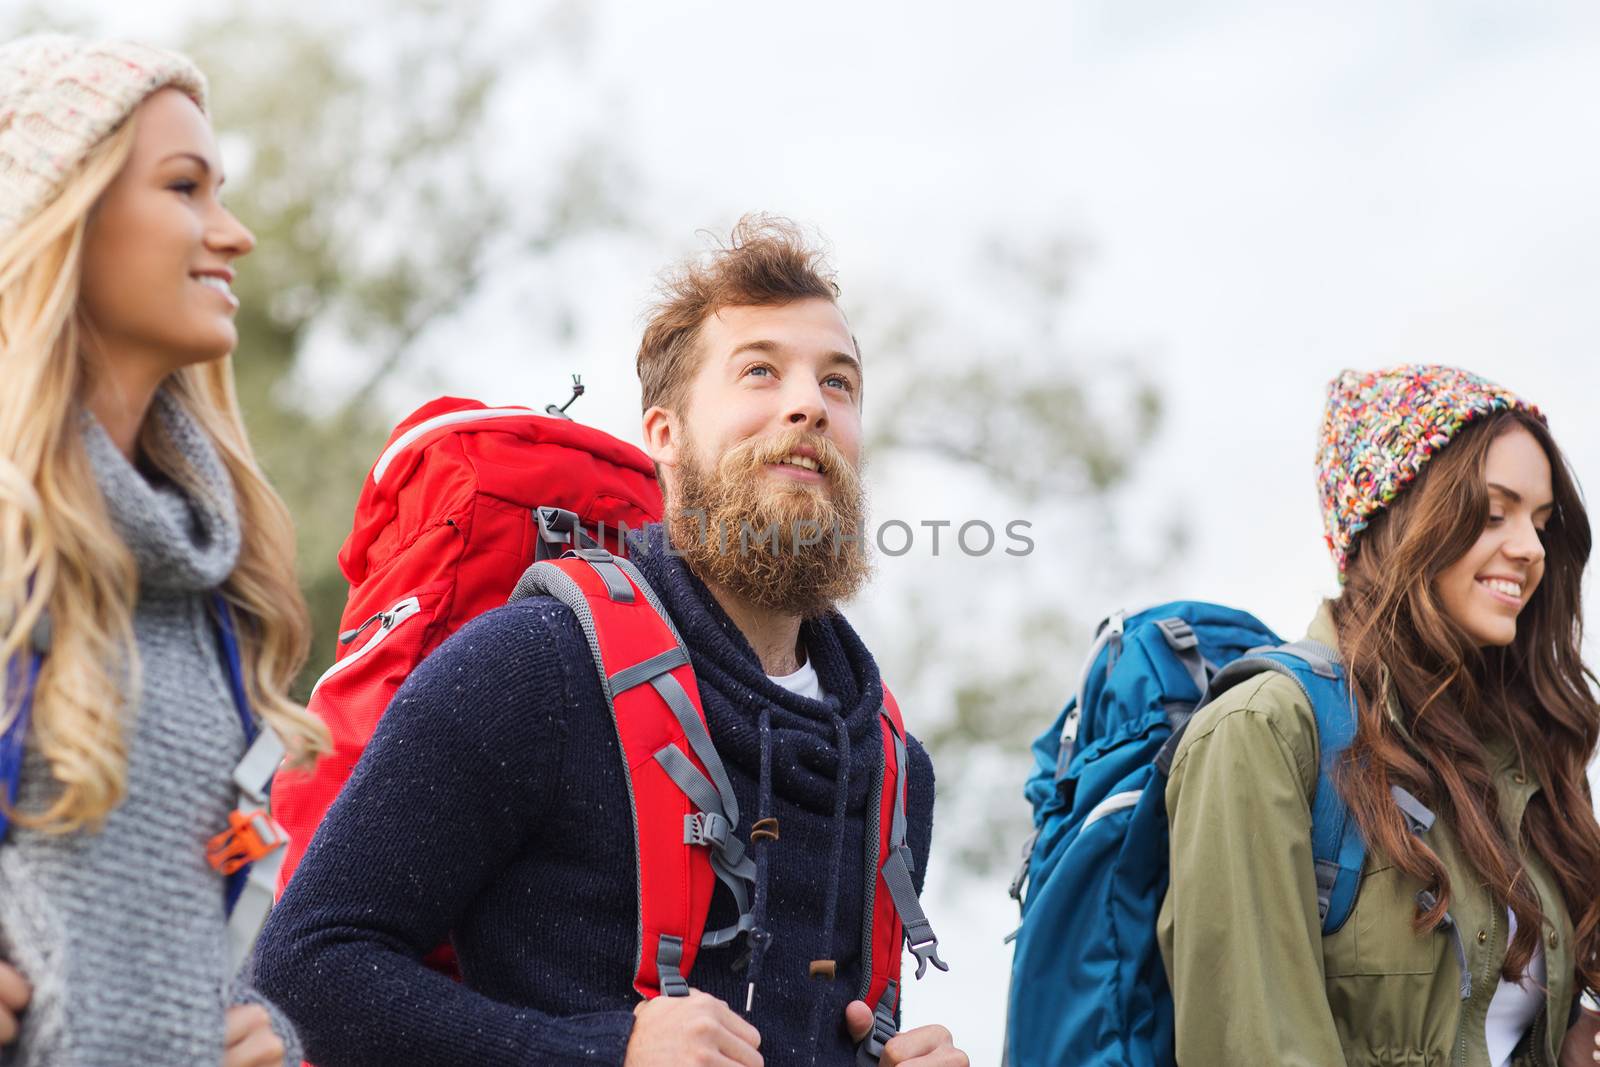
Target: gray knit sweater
[{"x": 122, "y": 932}]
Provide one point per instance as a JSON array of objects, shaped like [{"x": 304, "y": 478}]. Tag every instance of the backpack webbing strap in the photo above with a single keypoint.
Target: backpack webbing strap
[
  {"x": 718, "y": 806},
  {"x": 894, "y": 914},
  {"x": 712, "y": 827},
  {"x": 669, "y": 961},
  {"x": 558, "y": 530},
  {"x": 884, "y": 1027},
  {"x": 640, "y": 673},
  {"x": 605, "y": 565},
  {"x": 1419, "y": 819},
  {"x": 896, "y": 870},
  {"x": 249, "y": 891},
  {"x": 683, "y": 806},
  {"x": 1185, "y": 645}
]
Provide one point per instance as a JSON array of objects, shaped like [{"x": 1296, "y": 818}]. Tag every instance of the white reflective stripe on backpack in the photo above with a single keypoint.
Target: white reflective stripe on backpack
[
  {"x": 1113, "y": 803},
  {"x": 426, "y": 426}
]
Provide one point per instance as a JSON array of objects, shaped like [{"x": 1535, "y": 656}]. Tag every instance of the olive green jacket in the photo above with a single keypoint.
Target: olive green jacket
[{"x": 1253, "y": 979}]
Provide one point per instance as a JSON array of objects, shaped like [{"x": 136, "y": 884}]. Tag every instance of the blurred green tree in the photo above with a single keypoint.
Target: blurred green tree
[
  {"x": 365, "y": 175},
  {"x": 361, "y": 144}
]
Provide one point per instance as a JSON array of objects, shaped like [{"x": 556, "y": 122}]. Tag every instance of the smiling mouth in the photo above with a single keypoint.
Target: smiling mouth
[
  {"x": 1503, "y": 588},
  {"x": 803, "y": 462},
  {"x": 220, "y": 284}
]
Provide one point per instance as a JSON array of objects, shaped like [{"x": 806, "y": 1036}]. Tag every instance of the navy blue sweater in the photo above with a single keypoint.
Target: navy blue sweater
[{"x": 491, "y": 808}]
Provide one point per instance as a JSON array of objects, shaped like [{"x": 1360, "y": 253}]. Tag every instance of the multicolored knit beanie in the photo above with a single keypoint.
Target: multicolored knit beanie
[
  {"x": 1380, "y": 427},
  {"x": 59, "y": 97}
]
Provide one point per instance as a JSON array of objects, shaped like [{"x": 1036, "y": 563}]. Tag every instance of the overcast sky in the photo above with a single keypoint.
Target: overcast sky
[{"x": 1269, "y": 192}]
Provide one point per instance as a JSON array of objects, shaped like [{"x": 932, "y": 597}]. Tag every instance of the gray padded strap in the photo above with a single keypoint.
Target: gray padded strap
[
  {"x": 640, "y": 673},
  {"x": 694, "y": 730},
  {"x": 1318, "y": 656},
  {"x": 897, "y": 828}
]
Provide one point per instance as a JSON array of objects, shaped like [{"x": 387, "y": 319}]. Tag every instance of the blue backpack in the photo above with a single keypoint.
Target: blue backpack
[{"x": 1088, "y": 987}]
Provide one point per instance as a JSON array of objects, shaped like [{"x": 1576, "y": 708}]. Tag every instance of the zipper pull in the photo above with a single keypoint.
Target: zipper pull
[{"x": 350, "y": 635}]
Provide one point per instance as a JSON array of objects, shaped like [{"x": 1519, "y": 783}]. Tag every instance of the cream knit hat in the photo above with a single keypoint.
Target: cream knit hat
[{"x": 59, "y": 97}]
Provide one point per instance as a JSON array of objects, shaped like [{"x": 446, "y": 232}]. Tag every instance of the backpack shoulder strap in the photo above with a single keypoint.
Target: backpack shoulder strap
[
  {"x": 250, "y": 851},
  {"x": 894, "y": 912},
  {"x": 1337, "y": 848},
  {"x": 685, "y": 814},
  {"x": 22, "y": 679}
]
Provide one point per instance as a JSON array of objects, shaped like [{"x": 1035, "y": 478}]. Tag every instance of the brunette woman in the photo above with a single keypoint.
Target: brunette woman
[{"x": 1461, "y": 539}]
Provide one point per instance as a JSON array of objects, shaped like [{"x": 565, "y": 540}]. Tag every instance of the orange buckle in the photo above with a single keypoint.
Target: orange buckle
[{"x": 251, "y": 835}]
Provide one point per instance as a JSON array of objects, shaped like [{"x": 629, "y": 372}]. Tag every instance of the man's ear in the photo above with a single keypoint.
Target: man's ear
[{"x": 663, "y": 436}]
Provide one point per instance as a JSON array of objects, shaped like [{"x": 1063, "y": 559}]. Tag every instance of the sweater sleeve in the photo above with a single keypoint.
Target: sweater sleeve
[
  {"x": 454, "y": 781},
  {"x": 243, "y": 992},
  {"x": 1239, "y": 927}
]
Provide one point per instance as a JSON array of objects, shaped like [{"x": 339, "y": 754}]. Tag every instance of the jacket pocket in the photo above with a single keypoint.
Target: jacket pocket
[{"x": 1378, "y": 938}]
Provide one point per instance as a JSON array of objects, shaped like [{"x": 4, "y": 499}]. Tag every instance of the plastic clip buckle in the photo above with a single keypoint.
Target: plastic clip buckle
[
  {"x": 883, "y": 1029},
  {"x": 926, "y": 952},
  {"x": 705, "y": 828},
  {"x": 250, "y": 836}
]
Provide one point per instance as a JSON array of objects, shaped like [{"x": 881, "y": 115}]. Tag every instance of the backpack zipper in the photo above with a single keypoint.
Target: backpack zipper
[{"x": 387, "y": 621}]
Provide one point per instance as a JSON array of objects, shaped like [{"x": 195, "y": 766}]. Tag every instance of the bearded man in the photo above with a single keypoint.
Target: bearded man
[{"x": 492, "y": 806}]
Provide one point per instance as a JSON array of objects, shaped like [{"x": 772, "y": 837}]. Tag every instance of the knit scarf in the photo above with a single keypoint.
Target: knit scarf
[{"x": 184, "y": 537}]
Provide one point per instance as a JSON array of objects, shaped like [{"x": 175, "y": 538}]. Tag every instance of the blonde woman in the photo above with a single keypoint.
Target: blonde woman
[{"x": 131, "y": 513}]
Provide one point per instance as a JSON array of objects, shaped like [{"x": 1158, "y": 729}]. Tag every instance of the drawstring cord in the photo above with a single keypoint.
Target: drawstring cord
[
  {"x": 841, "y": 799},
  {"x": 761, "y": 845}
]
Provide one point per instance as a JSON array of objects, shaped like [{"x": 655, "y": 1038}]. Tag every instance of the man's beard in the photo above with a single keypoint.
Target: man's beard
[{"x": 794, "y": 547}]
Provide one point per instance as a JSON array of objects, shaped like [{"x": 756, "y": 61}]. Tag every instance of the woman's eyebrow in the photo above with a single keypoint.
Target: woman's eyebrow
[
  {"x": 205, "y": 164},
  {"x": 1516, "y": 497}
]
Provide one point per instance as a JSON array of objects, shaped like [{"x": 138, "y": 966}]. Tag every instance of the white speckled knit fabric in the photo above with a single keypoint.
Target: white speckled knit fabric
[
  {"x": 122, "y": 932},
  {"x": 59, "y": 97}
]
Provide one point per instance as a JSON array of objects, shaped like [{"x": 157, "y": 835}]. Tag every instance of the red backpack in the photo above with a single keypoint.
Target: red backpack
[{"x": 465, "y": 501}]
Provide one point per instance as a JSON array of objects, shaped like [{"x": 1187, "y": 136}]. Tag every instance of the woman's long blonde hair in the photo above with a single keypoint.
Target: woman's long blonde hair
[{"x": 61, "y": 559}]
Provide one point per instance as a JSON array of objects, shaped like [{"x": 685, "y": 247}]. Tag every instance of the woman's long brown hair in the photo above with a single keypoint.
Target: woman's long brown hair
[{"x": 1453, "y": 696}]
